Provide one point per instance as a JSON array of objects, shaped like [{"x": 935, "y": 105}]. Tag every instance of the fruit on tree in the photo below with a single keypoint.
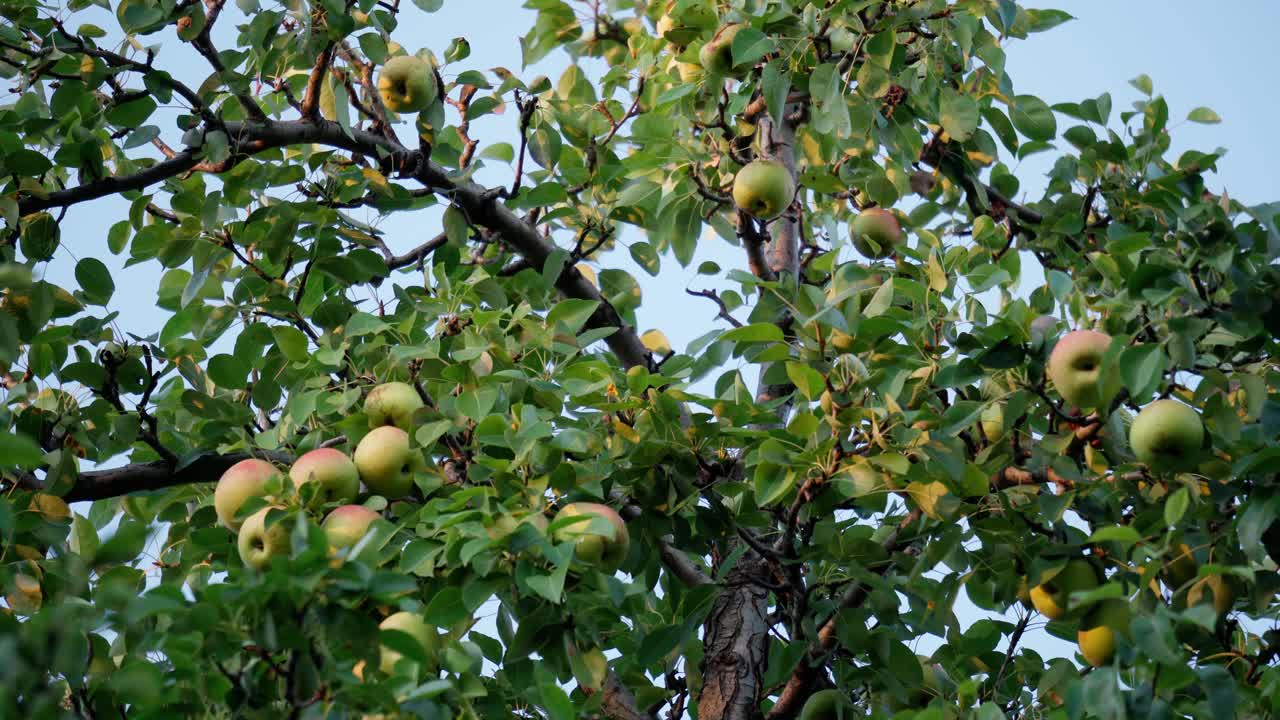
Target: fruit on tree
[
  {"x": 1097, "y": 634},
  {"x": 1167, "y": 436},
  {"x": 1216, "y": 588},
  {"x": 347, "y": 524},
  {"x": 392, "y": 403},
  {"x": 602, "y": 541},
  {"x": 413, "y": 625},
  {"x": 1050, "y": 596},
  {"x": 334, "y": 475},
  {"x": 1075, "y": 367},
  {"x": 827, "y": 704},
  {"x": 258, "y": 543},
  {"x": 763, "y": 189},
  {"x": 407, "y": 84},
  {"x": 717, "y": 55},
  {"x": 246, "y": 479},
  {"x": 386, "y": 463},
  {"x": 930, "y": 686},
  {"x": 875, "y": 233},
  {"x": 992, "y": 422}
]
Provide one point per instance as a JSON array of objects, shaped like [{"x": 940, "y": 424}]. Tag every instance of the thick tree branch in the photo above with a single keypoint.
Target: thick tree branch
[
  {"x": 156, "y": 475},
  {"x": 481, "y": 206}
]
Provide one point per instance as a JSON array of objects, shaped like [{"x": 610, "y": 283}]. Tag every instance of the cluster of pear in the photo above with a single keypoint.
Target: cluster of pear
[
  {"x": 1100, "y": 622},
  {"x": 764, "y": 188},
  {"x": 1166, "y": 436},
  {"x": 383, "y": 461}
]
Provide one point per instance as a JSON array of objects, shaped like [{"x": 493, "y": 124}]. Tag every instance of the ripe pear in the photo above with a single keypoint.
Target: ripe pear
[
  {"x": 258, "y": 543},
  {"x": 1166, "y": 436},
  {"x": 330, "y": 471},
  {"x": 1075, "y": 367},
  {"x": 407, "y": 84},
  {"x": 1097, "y": 634},
  {"x": 386, "y": 462},
  {"x": 764, "y": 188},
  {"x": 595, "y": 543},
  {"x": 1050, "y": 596},
  {"x": 992, "y": 422},
  {"x": 416, "y": 627},
  {"x": 392, "y": 403},
  {"x": 346, "y": 525},
  {"x": 246, "y": 479},
  {"x": 875, "y": 233}
]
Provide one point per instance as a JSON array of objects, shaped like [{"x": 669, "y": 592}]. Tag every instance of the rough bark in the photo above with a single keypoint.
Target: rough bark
[{"x": 735, "y": 639}]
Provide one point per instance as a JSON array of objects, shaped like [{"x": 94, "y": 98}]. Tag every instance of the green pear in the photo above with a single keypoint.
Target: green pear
[
  {"x": 875, "y": 233},
  {"x": 764, "y": 188},
  {"x": 386, "y": 463},
  {"x": 392, "y": 403},
  {"x": 602, "y": 541},
  {"x": 1166, "y": 436},
  {"x": 407, "y": 84},
  {"x": 1075, "y": 367},
  {"x": 413, "y": 625},
  {"x": 828, "y": 705},
  {"x": 258, "y": 543}
]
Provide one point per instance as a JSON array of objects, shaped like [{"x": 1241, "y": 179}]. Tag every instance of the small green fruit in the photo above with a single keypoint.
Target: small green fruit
[
  {"x": 764, "y": 188},
  {"x": 1075, "y": 367},
  {"x": 1167, "y": 436},
  {"x": 407, "y": 84},
  {"x": 827, "y": 705},
  {"x": 875, "y": 233}
]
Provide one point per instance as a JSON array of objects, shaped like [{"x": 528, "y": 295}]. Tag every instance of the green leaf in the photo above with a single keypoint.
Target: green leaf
[
  {"x": 754, "y": 333},
  {"x": 572, "y": 314},
  {"x": 646, "y": 257},
  {"x": 1033, "y": 118},
  {"x": 807, "y": 380},
  {"x": 95, "y": 280},
  {"x": 446, "y": 608},
  {"x": 1204, "y": 115},
  {"x": 18, "y": 450},
  {"x": 880, "y": 301},
  {"x": 1175, "y": 507},
  {"x": 776, "y": 82},
  {"x": 772, "y": 483},
  {"x": 1143, "y": 84},
  {"x": 133, "y": 113},
  {"x": 291, "y": 341},
  {"x": 958, "y": 114},
  {"x": 1142, "y": 369}
]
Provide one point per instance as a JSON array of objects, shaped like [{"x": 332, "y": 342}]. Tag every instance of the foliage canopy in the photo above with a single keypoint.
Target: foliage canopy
[{"x": 904, "y": 471}]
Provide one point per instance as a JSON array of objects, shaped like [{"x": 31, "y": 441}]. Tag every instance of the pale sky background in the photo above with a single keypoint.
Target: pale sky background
[{"x": 1218, "y": 55}]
